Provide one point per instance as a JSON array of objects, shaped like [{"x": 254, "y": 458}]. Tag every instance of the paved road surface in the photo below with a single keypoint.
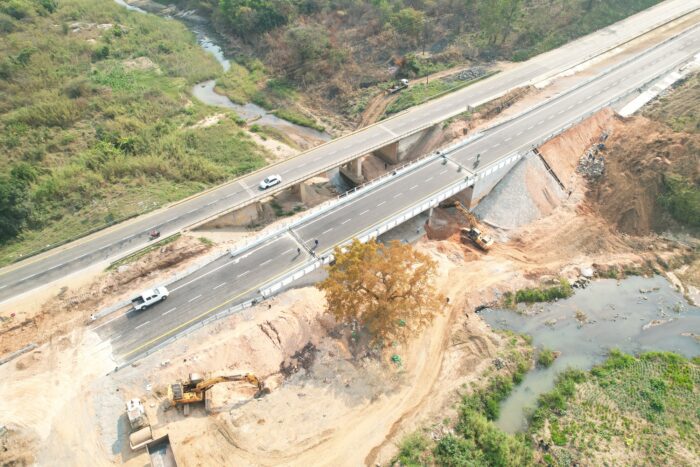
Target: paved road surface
[
  {"x": 231, "y": 280},
  {"x": 119, "y": 240}
]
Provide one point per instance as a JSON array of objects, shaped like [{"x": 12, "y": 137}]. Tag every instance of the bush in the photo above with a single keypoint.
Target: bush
[
  {"x": 533, "y": 295},
  {"x": 545, "y": 358},
  {"x": 682, "y": 199}
]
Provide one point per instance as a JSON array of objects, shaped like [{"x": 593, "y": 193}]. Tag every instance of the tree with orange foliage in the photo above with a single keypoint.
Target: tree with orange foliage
[{"x": 386, "y": 288}]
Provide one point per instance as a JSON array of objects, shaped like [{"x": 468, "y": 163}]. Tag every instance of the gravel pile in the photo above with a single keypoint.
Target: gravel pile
[{"x": 468, "y": 75}]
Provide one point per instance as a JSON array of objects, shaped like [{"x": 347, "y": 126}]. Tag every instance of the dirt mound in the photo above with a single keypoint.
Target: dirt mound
[
  {"x": 16, "y": 447},
  {"x": 639, "y": 152}
]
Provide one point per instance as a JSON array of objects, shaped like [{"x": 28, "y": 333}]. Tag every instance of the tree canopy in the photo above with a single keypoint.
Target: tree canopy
[{"x": 386, "y": 288}]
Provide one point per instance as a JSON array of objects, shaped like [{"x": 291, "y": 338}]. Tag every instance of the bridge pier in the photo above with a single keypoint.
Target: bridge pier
[{"x": 353, "y": 171}]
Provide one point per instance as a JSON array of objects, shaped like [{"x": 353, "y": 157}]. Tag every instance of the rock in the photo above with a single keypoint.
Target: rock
[{"x": 587, "y": 272}]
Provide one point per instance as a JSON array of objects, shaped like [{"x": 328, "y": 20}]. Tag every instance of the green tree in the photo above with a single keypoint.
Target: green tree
[
  {"x": 408, "y": 22},
  {"x": 256, "y": 16},
  {"x": 385, "y": 288}
]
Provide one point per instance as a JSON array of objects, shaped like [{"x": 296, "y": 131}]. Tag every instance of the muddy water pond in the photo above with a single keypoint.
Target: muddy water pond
[{"x": 634, "y": 315}]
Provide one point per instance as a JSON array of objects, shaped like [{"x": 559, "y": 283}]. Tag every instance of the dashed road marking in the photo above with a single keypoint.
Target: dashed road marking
[
  {"x": 345, "y": 221},
  {"x": 326, "y": 231},
  {"x": 428, "y": 179},
  {"x": 266, "y": 262},
  {"x": 364, "y": 212},
  {"x": 243, "y": 274},
  {"x": 194, "y": 298},
  {"x": 381, "y": 203},
  {"x": 142, "y": 325},
  {"x": 443, "y": 172},
  {"x": 169, "y": 311},
  {"x": 413, "y": 187},
  {"x": 397, "y": 195},
  {"x": 220, "y": 285}
]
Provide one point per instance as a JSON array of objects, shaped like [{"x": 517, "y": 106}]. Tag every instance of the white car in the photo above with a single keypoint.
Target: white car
[
  {"x": 149, "y": 297},
  {"x": 269, "y": 181}
]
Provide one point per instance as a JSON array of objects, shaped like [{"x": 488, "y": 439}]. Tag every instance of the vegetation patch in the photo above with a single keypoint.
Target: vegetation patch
[
  {"x": 681, "y": 198},
  {"x": 144, "y": 251},
  {"x": 474, "y": 440},
  {"x": 96, "y": 121},
  {"x": 546, "y": 357},
  {"x": 541, "y": 294},
  {"x": 298, "y": 118},
  {"x": 641, "y": 409}
]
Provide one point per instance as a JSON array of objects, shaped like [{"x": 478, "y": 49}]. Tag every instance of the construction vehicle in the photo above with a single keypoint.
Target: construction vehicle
[
  {"x": 472, "y": 234},
  {"x": 161, "y": 452},
  {"x": 193, "y": 390},
  {"x": 402, "y": 84},
  {"x": 475, "y": 236},
  {"x": 141, "y": 433}
]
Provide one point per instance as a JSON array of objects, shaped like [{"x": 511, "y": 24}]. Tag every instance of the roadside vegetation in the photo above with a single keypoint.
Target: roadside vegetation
[
  {"x": 473, "y": 439},
  {"x": 334, "y": 50},
  {"x": 541, "y": 294},
  {"x": 96, "y": 122},
  {"x": 644, "y": 410},
  {"x": 681, "y": 187},
  {"x": 386, "y": 289}
]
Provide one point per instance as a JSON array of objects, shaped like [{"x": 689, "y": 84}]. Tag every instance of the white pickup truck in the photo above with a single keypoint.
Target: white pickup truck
[{"x": 149, "y": 297}]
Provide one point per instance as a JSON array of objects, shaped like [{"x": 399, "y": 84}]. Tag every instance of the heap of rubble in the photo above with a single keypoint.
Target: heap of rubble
[{"x": 592, "y": 164}]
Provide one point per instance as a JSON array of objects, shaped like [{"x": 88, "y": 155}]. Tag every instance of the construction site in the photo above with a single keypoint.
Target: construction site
[{"x": 283, "y": 382}]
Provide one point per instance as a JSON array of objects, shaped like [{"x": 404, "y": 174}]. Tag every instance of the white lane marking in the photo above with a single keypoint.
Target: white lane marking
[
  {"x": 142, "y": 325},
  {"x": 29, "y": 277},
  {"x": 172, "y": 219},
  {"x": 509, "y": 138},
  {"x": 531, "y": 127},
  {"x": 266, "y": 262},
  {"x": 170, "y": 310},
  {"x": 496, "y": 145},
  {"x": 220, "y": 285},
  {"x": 397, "y": 195},
  {"x": 288, "y": 251},
  {"x": 191, "y": 211},
  {"x": 364, "y": 212},
  {"x": 114, "y": 338},
  {"x": 381, "y": 203},
  {"x": 243, "y": 274},
  {"x": 345, "y": 221},
  {"x": 248, "y": 190},
  {"x": 443, "y": 172},
  {"x": 3, "y": 286},
  {"x": 326, "y": 231},
  {"x": 428, "y": 179},
  {"x": 203, "y": 275},
  {"x": 413, "y": 187},
  {"x": 194, "y": 298}
]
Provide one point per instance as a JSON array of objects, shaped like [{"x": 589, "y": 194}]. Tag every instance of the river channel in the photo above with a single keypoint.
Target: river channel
[
  {"x": 634, "y": 315},
  {"x": 205, "y": 93}
]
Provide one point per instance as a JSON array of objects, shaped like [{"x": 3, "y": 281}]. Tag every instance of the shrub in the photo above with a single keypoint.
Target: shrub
[
  {"x": 545, "y": 358},
  {"x": 682, "y": 199},
  {"x": 533, "y": 295}
]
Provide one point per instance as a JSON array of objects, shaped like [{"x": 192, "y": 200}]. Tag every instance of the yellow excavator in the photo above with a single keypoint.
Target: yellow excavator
[
  {"x": 194, "y": 389},
  {"x": 472, "y": 233}
]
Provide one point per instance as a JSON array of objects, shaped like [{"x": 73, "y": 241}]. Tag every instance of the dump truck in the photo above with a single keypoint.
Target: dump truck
[
  {"x": 475, "y": 236},
  {"x": 149, "y": 297},
  {"x": 402, "y": 84},
  {"x": 160, "y": 452}
]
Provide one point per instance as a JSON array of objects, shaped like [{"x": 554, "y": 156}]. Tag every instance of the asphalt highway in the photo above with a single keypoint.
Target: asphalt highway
[
  {"x": 229, "y": 281},
  {"x": 129, "y": 236}
]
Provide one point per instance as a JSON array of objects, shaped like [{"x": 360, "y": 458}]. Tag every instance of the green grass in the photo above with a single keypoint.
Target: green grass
[
  {"x": 545, "y": 357},
  {"x": 681, "y": 198},
  {"x": 105, "y": 139},
  {"x": 420, "y": 93},
  {"x": 143, "y": 252},
  {"x": 298, "y": 118},
  {"x": 475, "y": 440},
  {"x": 541, "y": 294},
  {"x": 648, "y": 406}
]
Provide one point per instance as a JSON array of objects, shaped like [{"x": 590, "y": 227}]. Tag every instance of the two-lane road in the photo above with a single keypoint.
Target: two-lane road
[{"x": 130, "y": 236}]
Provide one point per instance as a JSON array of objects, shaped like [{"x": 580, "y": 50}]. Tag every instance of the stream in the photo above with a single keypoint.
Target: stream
[
  {"x": 204, "y": 92},
  {"x": 634, "y": 315}
]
